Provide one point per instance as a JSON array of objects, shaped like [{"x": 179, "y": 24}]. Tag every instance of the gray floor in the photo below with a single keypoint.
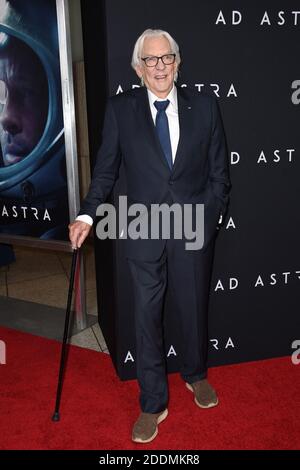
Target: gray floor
[{"x": 33, "y": 293}]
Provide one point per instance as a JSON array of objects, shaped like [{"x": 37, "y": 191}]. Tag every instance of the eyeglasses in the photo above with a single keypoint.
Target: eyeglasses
[{"x": 166, "y": 59}]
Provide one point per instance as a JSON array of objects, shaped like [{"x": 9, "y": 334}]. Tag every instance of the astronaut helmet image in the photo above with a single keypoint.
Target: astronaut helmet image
[{"x": 33, "y": 183}]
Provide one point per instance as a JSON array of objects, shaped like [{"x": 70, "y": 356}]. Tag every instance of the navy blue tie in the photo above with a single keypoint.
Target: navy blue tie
[{"x": 162, "y": 128}]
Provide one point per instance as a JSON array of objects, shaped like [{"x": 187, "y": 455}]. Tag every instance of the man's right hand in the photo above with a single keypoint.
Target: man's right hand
[{"x": 78, "y": 231}]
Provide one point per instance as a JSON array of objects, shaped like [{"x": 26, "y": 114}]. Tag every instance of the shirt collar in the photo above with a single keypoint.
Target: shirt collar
[{"x": 172, "y": 97}]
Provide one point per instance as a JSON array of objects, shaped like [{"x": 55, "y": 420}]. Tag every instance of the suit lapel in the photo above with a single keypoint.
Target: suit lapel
[
  {"x": 185, "y": 116},
  {"x": 142, "y": 106}
]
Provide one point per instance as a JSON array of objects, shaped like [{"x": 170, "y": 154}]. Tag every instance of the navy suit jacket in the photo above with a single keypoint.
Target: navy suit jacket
[{"x": 199, "y": 174}]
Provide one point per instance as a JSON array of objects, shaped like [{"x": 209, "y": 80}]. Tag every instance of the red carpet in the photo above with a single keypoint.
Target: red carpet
[{"x": 259, "y": 403}]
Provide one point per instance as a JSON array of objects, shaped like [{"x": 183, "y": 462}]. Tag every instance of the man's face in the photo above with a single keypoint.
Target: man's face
[
  {"x": 158, "y": 79},
  {"x": 24, "y": 102}
]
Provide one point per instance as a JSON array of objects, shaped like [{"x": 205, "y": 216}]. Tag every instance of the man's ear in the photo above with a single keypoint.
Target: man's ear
[{"x": 139, "y": 71}]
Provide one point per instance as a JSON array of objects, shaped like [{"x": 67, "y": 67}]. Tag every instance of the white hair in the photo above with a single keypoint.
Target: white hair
[{"x": 138, "y": 47}]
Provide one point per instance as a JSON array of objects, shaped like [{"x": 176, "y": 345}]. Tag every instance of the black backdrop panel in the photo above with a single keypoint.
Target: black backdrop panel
[{"x": 245, "y": 52}]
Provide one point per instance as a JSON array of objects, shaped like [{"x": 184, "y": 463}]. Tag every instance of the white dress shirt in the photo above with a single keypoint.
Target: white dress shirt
[{"x": 172, "y": 114}]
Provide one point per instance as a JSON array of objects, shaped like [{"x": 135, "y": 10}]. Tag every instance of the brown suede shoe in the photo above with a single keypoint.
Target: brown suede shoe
[
  {"x": 205, "y": 395},
  {"x": 145, "y": 428}
]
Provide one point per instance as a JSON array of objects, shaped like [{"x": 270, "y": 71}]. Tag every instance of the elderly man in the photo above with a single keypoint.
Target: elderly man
[{"x": 173, "y": 148}]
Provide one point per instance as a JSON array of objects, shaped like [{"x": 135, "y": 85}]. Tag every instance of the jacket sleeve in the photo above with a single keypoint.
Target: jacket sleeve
[
  {"x": 218, "y": 159},
  {"x": 106, "y": 170}
]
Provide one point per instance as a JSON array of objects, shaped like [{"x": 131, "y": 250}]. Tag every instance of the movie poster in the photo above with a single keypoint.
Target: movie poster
[{"x": 33, "y": 180}]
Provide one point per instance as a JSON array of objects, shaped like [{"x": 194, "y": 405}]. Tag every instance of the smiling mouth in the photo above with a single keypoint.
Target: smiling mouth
[{"x": 160, "y": 77}]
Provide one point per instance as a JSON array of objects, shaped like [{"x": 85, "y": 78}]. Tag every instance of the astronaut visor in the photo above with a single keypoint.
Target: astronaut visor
[{"x": 24, "y": 100}]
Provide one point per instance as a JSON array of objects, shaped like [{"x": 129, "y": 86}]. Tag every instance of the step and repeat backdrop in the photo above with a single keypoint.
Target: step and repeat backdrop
[{"x": 246, "y": 53}]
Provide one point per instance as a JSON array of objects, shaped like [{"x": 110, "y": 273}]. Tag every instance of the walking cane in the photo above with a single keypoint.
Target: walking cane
[{"x": 56, "y": 416}]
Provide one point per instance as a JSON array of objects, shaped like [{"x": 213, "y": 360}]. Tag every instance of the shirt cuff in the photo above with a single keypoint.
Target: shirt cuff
[{"x": 85, "y": 218}]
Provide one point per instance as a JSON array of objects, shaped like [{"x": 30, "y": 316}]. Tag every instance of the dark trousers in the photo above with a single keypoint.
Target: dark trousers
[{"x": 187, "y": 274}]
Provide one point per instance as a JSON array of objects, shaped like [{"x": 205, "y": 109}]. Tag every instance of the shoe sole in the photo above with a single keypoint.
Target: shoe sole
[
  {"x": 210, "y": 405},
  {"x": 161, "y": 418}
]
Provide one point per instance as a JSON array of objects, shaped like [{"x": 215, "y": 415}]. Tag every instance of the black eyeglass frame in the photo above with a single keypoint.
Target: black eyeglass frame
[{"x": 157, "y": 59}]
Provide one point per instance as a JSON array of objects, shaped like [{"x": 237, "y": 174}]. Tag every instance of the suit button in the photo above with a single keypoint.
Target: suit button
[{"x": 171, "y": 182}]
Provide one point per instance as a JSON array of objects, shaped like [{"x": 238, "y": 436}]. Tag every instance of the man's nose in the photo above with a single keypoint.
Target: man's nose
[
  {"x": 9, "y": 119},
  {"x": 160, "y": 65}
]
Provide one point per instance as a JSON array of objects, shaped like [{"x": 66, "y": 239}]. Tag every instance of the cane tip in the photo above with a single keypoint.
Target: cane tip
[{"x": 56, "y": 416}]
